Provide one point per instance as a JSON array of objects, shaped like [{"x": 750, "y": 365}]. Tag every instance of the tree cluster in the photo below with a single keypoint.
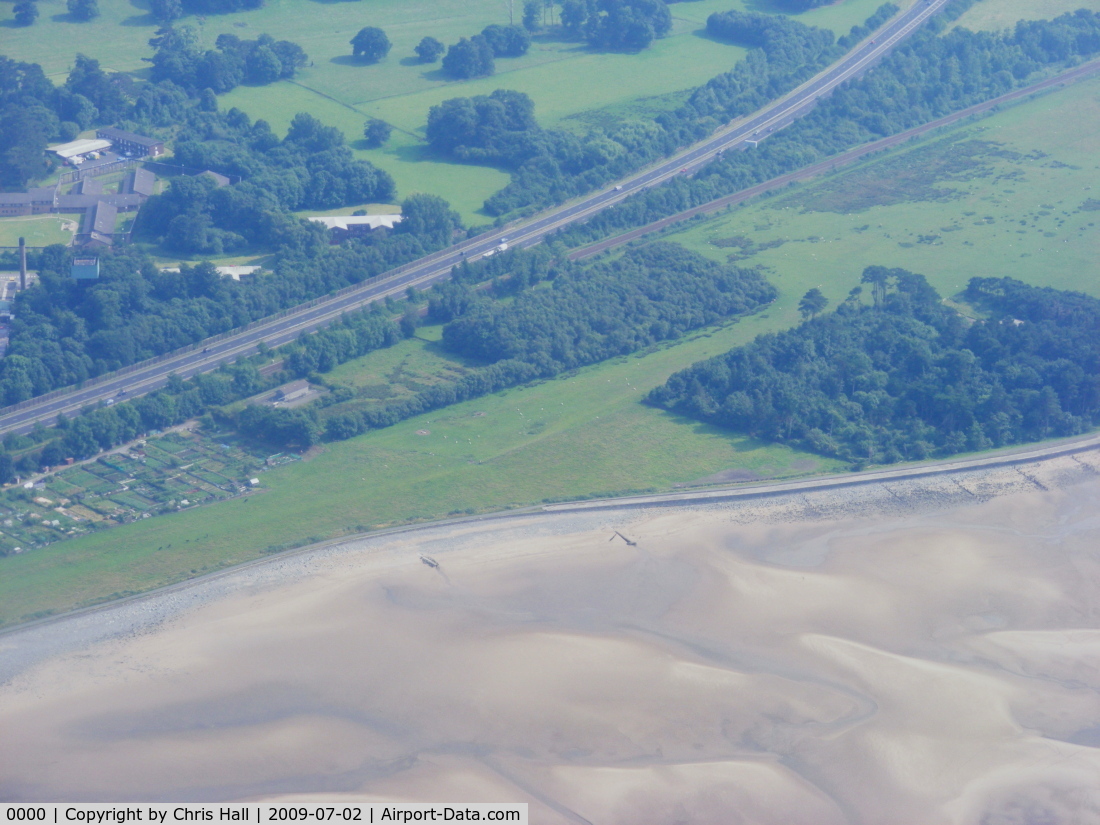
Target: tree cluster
[
  {"x": 616, "y": 24},
  {"x": 370, "y": 44},
  {"x": 100, "y": 428},
  {"x": 233, "y": 61},
  {"x": 507, "y": 41},
  {"x": 474, "y": 56},
  {"x": 34, "y": 112},
  {"x": 82, "y": 10},
  {"x": 589, "y": 314},
  {"x": 654, "y": 293},
  {"x": 908, "y": 378},
  {"x": 468, "y": 58},
  {"x": 67, "y": 331},
  {"x": 25, "y": 12},
  {"x": 494, "y": 129},
  {"x": 429, "y": 50},
  {"x": 312, "y": 167}
]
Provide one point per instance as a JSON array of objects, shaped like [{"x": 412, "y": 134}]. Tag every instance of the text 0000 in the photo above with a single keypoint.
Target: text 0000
[{"x": 27, "y": 814}]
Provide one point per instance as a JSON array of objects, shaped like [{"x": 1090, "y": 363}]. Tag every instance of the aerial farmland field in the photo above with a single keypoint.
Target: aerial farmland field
[{"x": 344, "y": 93}]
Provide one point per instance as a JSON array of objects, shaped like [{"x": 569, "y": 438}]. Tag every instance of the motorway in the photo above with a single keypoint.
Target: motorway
[{"x": 287, "y": 326}]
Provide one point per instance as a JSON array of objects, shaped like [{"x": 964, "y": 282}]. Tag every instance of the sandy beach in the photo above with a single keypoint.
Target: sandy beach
[{"x": 912, "y": 652}]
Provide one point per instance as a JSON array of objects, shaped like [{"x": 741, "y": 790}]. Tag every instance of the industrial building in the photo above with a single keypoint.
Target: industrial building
[
  {"x": 98, "y": 225},
  {"x": 131, "y": 144},
  {"x": 98, "y": 208},
  {"x": 32, "y": 202},
  {"x": 342, "y": 227},
  {"x": 75, "y": 151}
]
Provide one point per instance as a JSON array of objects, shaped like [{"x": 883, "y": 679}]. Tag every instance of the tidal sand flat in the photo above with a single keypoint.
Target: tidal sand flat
[{"x": 923, "y": 651}]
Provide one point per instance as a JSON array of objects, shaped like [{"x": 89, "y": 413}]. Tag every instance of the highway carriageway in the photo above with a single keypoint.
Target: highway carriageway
[{"x": 287, "y": 326}]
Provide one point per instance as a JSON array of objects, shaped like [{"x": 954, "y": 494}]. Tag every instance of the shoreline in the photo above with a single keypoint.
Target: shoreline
[
  {"x": 1005, "y": 457},
  {"x": 900, "y": 494}
]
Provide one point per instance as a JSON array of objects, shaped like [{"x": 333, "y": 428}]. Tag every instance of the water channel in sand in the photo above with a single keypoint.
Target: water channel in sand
[{"x": 913, "y": 652}]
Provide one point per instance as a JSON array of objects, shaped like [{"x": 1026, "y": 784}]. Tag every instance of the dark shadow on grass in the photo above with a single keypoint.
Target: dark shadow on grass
[
  {"x": 437, "y": 349},
  {"x": 412, "y": 61},
  {"x": 139, "y": 20},
  {"x": 422, "y": 152},
  {"x": 703, "y": 34},
  {"x": 9, "y": 24},
  {"x": 769, "y": 7},
  {"x": 558, "y": 36},
  {"x": 351, "y": 60}
]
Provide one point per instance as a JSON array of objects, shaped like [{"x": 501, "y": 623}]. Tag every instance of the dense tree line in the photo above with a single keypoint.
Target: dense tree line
[
  {"x": 179, "y": 58},
  {"x": 34, "y": 112},
  {"x": 279, "y": 426},
  {"x": 100, "y": 428},
  {"x": 803, "y": 5},
  {"x": 650, "y": 294},
  {"x": 553, "y": 165},
  {"x": 930, "y": 76},
  {"x": 311, "y": 167},
  {"x": 616, "y": 24},
  {"x": 168, "y": 10},
  {"x": 353, "y": 335},
  {"x": 906, "y": 377},
  {"x": 67, "y": 331},
  {"x": 588, "y": 314}
]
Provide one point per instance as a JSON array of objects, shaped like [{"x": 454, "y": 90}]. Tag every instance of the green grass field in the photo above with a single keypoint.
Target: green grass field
[
  {"x": 575, "y": 436},
  {"x": 1015, "y": 194},
  {"x": 559, "y": 75},
  {"x": 994, "y": 15},
  {"x": 39, "y": 230}
]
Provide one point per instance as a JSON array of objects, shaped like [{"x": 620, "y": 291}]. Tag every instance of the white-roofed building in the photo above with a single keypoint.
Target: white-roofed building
[
  {"x": 78, "y": 148},
  {"x": 348, "y": 226}
]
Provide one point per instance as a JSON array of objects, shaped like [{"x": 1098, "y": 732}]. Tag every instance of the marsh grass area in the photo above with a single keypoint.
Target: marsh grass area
[
  {"x": 558, "y": 74},
  {"x": 1016, "y": 194}
]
